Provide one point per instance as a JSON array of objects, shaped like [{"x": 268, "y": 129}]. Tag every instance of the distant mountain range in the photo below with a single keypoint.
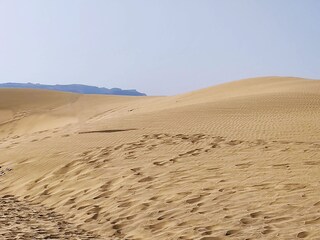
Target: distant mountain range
[{"x": 75, "y": 88}]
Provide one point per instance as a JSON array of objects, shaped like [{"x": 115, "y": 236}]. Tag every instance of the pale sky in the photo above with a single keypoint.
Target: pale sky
[{"x": 160, "y": 47}]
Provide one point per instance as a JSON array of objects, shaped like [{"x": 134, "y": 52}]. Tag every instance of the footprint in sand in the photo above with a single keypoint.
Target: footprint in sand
[
  {"x": 146, "y": 179},
  {"x": 194, "y": 200},
  {"x": 231, "y": 232},
  {"x": 255, "y": 214},
  {"x": 302, "y": 234}
]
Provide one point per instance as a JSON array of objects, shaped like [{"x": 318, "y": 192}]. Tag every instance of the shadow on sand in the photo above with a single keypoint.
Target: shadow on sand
[{"x": 109, "y": 131}]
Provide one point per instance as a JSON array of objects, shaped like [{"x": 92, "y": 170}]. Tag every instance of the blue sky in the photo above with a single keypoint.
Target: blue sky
[{"x": 161, "y": 47}]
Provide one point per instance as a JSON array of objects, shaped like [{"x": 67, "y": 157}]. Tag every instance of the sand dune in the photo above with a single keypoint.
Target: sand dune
[{"x": 235, "y": 161}]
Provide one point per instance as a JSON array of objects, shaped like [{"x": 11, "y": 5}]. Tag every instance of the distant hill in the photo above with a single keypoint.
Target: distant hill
[{"x": 75, "y": 88}]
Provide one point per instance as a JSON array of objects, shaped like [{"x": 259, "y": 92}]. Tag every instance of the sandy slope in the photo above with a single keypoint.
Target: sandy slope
[{"x": 235, "y": 161}]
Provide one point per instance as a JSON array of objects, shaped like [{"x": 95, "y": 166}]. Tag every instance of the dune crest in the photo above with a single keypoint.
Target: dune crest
[{"x": 235, "y": 161}]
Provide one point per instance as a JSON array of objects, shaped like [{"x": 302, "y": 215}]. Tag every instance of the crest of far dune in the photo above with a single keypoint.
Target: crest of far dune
[{"x": 234, "y": 161}]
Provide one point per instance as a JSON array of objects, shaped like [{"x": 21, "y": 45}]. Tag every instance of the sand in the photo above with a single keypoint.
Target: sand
[{"x": 236, "y": 161}]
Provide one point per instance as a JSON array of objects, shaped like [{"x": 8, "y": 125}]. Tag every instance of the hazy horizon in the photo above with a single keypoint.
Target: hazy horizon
[{"x": 159, "y": 47}]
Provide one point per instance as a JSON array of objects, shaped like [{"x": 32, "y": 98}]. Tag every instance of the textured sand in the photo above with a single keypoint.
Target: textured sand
[{"x": 236, "y": 161}]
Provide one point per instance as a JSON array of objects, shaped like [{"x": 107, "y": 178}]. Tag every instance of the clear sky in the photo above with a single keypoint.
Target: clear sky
[{"x": 161, "y": 47}]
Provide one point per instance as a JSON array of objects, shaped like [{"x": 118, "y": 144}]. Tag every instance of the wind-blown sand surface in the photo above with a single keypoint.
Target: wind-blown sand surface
[{"x": 236, "y": 161}]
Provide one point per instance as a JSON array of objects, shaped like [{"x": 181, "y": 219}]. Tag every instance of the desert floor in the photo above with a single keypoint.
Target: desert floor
[{"x": 235, "y": 161}]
